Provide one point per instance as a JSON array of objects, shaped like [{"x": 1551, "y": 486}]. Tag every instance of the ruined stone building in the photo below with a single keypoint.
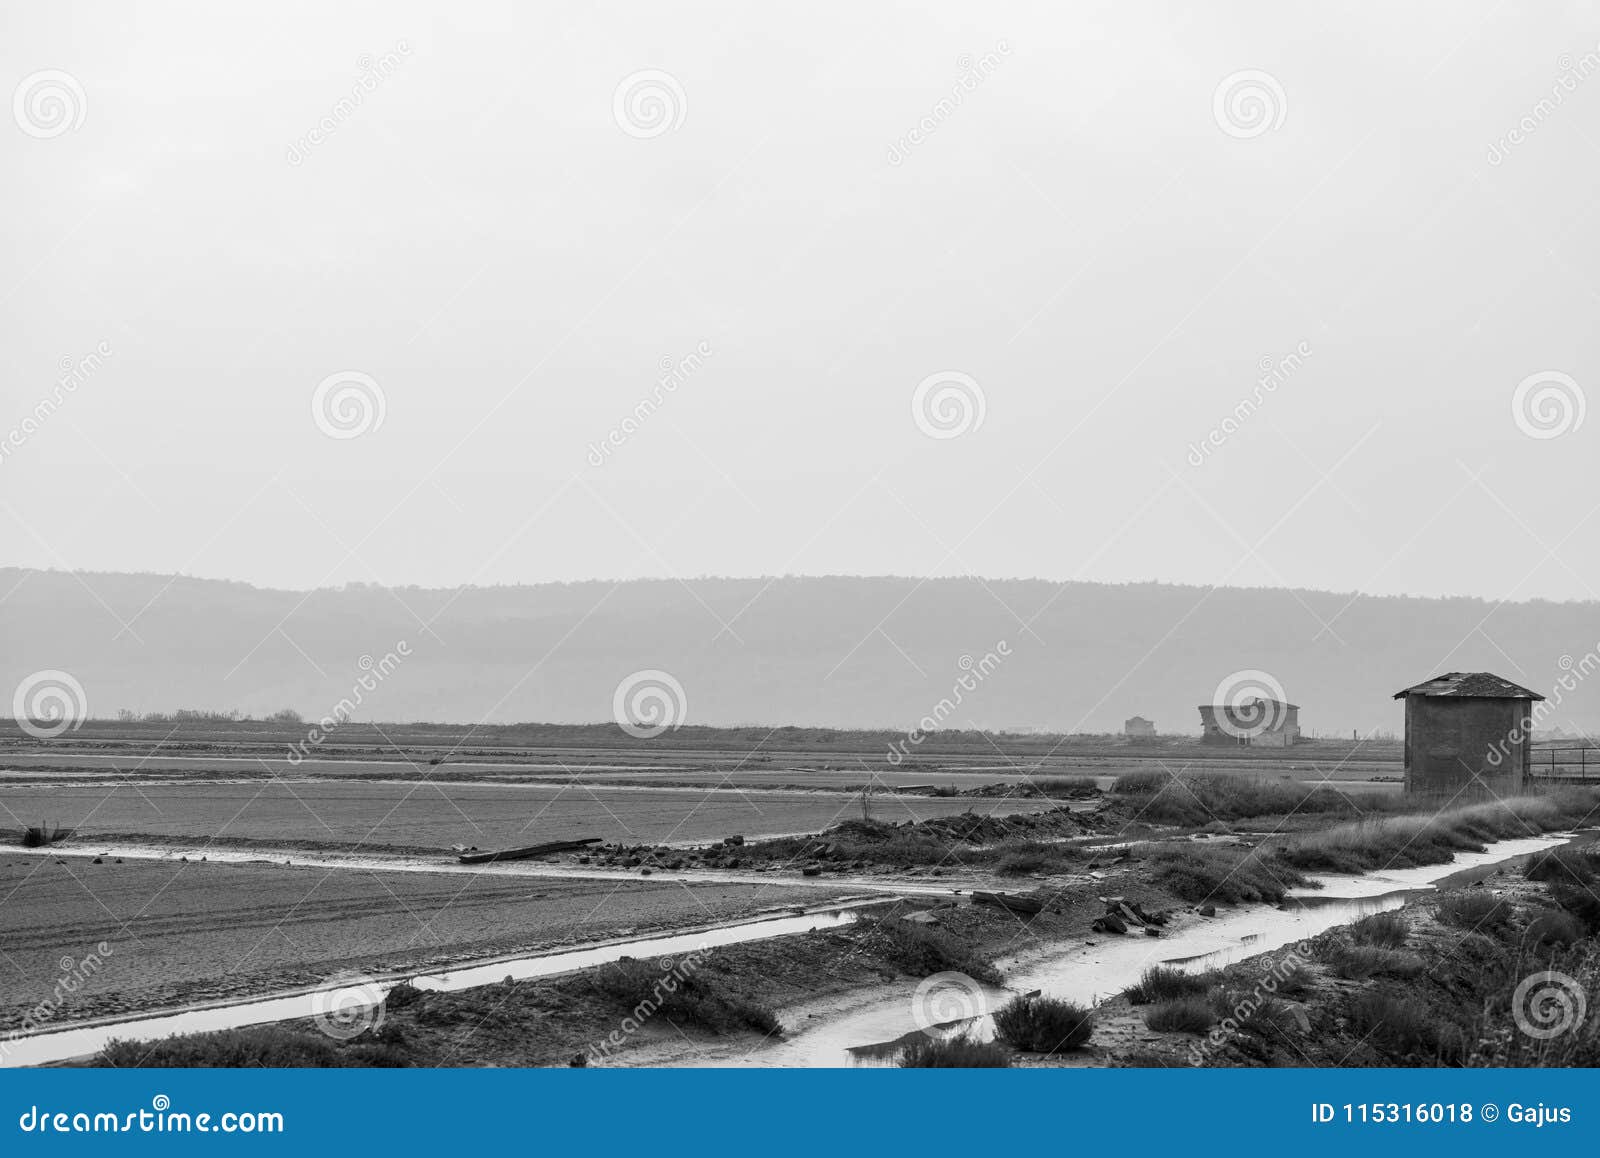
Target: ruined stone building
[{"x": 1254, "y": 723}]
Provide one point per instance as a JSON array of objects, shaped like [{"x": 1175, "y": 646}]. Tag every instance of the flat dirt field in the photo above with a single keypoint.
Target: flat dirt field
[
  {"x": 181, "y": 933},
  {"x": 426, "y": 816}
]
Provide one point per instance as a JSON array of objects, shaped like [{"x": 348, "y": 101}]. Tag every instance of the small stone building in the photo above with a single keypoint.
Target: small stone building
[
  {"x": 1467, "y": 732},
  {"x": 1255, "y": 723},
  {"x": 1139, "y": 728}
]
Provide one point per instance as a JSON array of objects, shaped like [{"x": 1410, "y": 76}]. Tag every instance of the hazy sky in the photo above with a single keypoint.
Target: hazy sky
[{"x": 1086, "y": 233}]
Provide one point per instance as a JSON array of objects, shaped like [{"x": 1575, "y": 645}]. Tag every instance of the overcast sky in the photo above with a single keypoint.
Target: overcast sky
[{"x": 1099, "y": 220}]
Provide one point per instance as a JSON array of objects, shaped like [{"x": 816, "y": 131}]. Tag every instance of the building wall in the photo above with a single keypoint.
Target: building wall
[
  {"x": 1448, "y": 739},
  {"x": 1285, "y": 735}
]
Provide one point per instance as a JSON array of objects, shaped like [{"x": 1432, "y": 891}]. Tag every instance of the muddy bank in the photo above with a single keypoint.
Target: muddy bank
[{"x": 178, "y": 933}]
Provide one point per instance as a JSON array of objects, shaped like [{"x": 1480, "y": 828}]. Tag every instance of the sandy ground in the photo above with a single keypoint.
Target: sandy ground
[
  {"x": 435, "y": 816},
  {"x": 182, "y": 933}
]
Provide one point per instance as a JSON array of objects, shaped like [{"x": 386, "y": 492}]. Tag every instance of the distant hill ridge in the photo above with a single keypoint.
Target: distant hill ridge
[{"x": 829, "y": 651}]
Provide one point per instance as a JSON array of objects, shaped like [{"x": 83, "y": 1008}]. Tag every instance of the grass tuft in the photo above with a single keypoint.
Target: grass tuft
[
  {"x": 1164, "y": 983},
  {"x": 1181, "y": 1015},
  {"x": 1383, "y": 930},
  {"x": 1044, "y": 1024}
]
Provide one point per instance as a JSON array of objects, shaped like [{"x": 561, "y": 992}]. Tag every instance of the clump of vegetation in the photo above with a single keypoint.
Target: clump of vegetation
[
  {"x": 1435, "y": 838},
  {"x": 1475, "y": 911},
  {"x": 1581, "y": 901},
  {"x": 272, "y": 1046},
  {"x": 1181, "y": 1015},
  {"x": 1296, "y": 980},
  {"x": 1358, "y": 962},
  {"x": 1384, "y": 930},
  {"x": 1554, "y": 927},
  {"x": 402, "y": 995},
  {"x": 1044, "y": 1024},
  {"x": 1164, "y": 983},
  {"x": 922, "y": 951},
  {"x": 1404, "y": 1027},
  {"x": 1221, "y": 874},
  {"x": 1026, "y": 858},
  {"x": 1199, "y": 798},
  {"x": 41, "y": 835},
  {"x": 958, "y": 1052},
  {"x": 1269, "y": 1017},
  {"x": 1065, "y": 787},
  {"x": 700, "y": 998},
  {"x": 1567, "y": 865}
]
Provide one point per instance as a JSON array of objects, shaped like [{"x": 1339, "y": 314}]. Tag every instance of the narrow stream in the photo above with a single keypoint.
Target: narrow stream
[{"x": 1090, "y": 973}]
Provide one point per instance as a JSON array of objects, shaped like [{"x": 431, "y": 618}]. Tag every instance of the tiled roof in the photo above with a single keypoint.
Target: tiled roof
[{"x": 1479, "y": 685}]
